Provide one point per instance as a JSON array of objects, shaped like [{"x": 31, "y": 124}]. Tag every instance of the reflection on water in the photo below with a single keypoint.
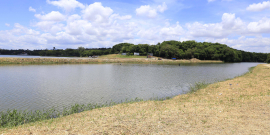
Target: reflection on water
[{"x": 40, "y": 87}]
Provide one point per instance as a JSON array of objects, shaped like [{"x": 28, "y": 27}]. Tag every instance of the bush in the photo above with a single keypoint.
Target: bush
[{"x": 268, "y": 61}]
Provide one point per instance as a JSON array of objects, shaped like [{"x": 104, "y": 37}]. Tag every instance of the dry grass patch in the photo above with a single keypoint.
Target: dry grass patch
[
  {"x": 240, "y": 108},
  {"x": 113, "y": 58},
  {"x": 119, "y": 56}
]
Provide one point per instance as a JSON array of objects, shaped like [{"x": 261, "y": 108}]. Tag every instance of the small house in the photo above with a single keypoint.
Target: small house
[
  {"x": 124, "y": 53},
  {"x": 136, "y": 53}
]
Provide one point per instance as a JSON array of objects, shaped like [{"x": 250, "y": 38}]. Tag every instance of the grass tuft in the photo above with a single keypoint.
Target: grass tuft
[
  {"x": 13, "y": 118},
  {"x": 251, "y": 69},
  {"x": 197, "y": 86}
]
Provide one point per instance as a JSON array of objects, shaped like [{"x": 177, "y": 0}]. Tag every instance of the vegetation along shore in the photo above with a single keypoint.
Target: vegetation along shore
[
  {"x": 113, "y": 58},
  {"x": 237, "y": 106}
]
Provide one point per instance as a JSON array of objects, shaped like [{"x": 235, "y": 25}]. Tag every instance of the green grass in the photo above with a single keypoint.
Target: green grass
[
  {"x": 130, "y": 56},
  {"x": 251, "y": 69},
  {"x": 197, "y": 86},
  {"x": 13, "y": 118},
  {"x": 121, "y": 56}
]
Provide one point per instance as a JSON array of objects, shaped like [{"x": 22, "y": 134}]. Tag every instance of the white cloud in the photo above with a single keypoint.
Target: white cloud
[
  {"x": 147, "y": 10},
  {"x": 67, "y": 5},
  {"x": 229, "y": 25},
  {"x": 126, "y": 17},
  {"x": 53, "y": 16},
  {"x": 32, "y": 9},
  {"x": 206, "y": 30},
  {"x": 255, "y": 44},
  {"x": 149, "y": 34},
  {"x": 50, "y": 26},
  {"x": 97, "y": 13},
  {"x": 73, "y": 17},
  {"x": 20, "y": 37},
  {"x": 162, "y": 8},
  {"x": 84, "y": 32},
  {"x": 157, "y": 33},
  {"x": 19, "y": 29},
  {"x": 7, "y": 24},
  {"x": 76, "y": 27},
  {"x": 262, "y": 26},
  {"x": 61, "y": 38},
  {"x": 259, "y": 6},
  {"x": 172, "y": 31},
  {"x": 230, "y": 22}
]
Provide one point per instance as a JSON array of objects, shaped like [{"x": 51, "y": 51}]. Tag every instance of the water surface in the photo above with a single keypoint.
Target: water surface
[{"x": 37, "y": 87}]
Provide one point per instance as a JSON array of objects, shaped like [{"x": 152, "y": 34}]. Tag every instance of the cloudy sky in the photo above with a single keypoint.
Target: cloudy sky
[{"x": 41, "y": 24}]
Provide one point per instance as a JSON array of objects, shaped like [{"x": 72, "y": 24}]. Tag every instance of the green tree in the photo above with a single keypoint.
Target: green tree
[
  {"x": 169, "y": 51},
  {"x": 118, "y": 47},
  {"x": 81, "y": 50}
]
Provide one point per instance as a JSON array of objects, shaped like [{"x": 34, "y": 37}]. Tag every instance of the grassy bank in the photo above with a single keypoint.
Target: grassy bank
[
  {"x": 237, "y": 106},
  {"x": 101, "y": 59},
  {"x": 13, "y": 118}
]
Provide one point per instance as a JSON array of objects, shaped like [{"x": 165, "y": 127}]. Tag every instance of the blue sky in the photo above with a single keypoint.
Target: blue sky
[{"x": 41, "y": 24}]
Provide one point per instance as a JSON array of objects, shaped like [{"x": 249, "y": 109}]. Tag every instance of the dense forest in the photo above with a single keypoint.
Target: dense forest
[
  {"x": 166, "y": 49},
  {"x": 192, "y": 49}
]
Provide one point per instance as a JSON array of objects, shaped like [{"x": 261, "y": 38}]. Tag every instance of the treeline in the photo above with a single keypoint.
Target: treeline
[
  {"x": 167, "y": 49},
  {"x": 80, "y": 52},
  {"x": 191, "y": 49}
]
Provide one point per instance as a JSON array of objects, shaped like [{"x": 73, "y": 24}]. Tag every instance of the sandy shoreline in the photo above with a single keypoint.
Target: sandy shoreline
[{"x": 237, "y": 106}]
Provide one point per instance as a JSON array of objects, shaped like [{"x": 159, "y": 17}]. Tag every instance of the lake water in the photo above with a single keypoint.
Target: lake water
[{"x": 37, "y": 87}]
